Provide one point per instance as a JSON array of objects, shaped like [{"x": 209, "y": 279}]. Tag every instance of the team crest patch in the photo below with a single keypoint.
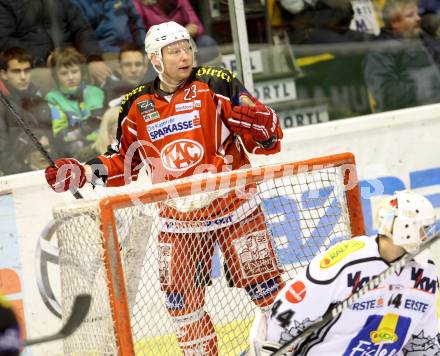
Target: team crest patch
[
  {"x": 253, "y": 254},
  {"x": 339, "y": 252},
  {"x": 145, "y": 107}
]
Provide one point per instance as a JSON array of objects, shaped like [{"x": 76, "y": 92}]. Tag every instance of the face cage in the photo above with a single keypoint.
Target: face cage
[
  {"x": 425, "y": 233},
  {"x": 160, "y": 57},
  {"x": 428, "y": 231},
  {"x": 388, "y": 222}
]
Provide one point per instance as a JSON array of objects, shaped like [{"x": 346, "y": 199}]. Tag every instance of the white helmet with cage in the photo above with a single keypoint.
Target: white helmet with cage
[
  {"x": 407, "y": 218},
  {"x": 164, "y": 34}
]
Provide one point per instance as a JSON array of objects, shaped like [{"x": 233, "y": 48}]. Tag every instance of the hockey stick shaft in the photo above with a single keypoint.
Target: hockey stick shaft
[
  {"x": 81, "y": 306},
  {"x": 31, "y": 135},
  {"x": 341, "y": 306}
]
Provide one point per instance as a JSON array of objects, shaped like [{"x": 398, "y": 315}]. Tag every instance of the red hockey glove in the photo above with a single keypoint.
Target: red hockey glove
[
  {"x": 259, "y": 120},
  {"x": 67, "y": 174}
]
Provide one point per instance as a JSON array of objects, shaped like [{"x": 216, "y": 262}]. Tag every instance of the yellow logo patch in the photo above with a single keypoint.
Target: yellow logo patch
[
  {"x": 339, "y": 252},
  {"x": 385, "y": 333},
  {"x": 226, "y": 75},
  {"x": 130, "y": 94}
]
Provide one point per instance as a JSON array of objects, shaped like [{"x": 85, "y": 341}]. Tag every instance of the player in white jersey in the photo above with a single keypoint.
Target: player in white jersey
[{"x": 397, "y": 318}]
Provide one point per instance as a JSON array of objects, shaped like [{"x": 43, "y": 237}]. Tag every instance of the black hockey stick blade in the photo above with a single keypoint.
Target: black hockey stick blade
[
  {"x": 31, "y": 135},
  {"x": 81, "y": 306},
  {"x": 339, "y": 307}
]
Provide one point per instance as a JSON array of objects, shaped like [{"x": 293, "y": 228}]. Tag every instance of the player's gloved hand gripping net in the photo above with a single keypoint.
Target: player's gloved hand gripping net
[
  {"x": 68, "y": 173},
  {"x": 259, "y": 120}
]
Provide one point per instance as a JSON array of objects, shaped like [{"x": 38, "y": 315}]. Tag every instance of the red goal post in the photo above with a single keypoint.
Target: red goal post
[{"x": 109, "y": 248}]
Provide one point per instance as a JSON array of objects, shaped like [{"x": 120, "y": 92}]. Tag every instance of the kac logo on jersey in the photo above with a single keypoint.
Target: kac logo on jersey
[
  {"x": 380, "y": 335},
  {"x": 339, "y": 252},
  {"x": 181, "y": 155}
]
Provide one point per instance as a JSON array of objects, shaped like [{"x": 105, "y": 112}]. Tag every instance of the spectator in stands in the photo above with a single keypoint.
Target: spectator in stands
[
  {"x": 76, "y": 108},
  {"x": 429, "y": 6},
  {"x": 105, "y": 140},
  {"x": 30, "y": 157},
  {"x": 429, "y": 12},
  {"x": 431, "y": 24},
  {"x": 401, "y": 70},
  {"x": 107, "y": 131},
  {"x": 133, "y": 70},
  {"x": 115, "y": 22},
  {"x": 154, "y": 12},
  {"x": 16, "y": 64},
  {"x": 41, "y": 26},
  {"x": 319, "y": 21}
]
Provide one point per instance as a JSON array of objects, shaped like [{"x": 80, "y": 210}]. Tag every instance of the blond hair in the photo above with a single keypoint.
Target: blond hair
[
  {"x": 65, "y": 57},
  {"x": 106, "y": 129}
]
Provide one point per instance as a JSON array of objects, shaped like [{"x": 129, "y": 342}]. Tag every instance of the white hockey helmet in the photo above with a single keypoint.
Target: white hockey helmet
[
  {"x": 407, "y": 218},
  {"x": 159, "y": 36}
]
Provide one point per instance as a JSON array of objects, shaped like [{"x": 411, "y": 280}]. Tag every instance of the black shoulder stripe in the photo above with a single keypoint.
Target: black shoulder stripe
[
  {"x": 128, "y": 101},
  {"x": 220, "y": 80},
  {"x": 351, "y": 263},
  {"x": 206, "y": 73},
  {"x": 133, "y": 95}
]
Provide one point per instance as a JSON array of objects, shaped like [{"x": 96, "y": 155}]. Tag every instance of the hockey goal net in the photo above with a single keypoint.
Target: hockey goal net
[{"x": 111, "y": 249}]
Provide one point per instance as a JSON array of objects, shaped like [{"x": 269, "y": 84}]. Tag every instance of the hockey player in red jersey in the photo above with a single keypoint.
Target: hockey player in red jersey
[
  {"x": 399, "y": 317},
  {"x": 192, "y": 120}
]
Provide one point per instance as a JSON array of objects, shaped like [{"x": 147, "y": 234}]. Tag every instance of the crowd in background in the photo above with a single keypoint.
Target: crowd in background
[
  {"x": 84, "y": 57},
  {"x": 67, "y": 64},
  {"x": 399, "y": 66}
]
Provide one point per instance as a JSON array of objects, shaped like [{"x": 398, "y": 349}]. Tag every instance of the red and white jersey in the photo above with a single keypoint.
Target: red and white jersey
[
  {"x": 397, "y": 318},
  {"x": 181, "y": 134}
]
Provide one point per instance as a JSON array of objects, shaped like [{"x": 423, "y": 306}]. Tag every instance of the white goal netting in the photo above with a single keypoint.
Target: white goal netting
[{"x": 179, "y": 256}]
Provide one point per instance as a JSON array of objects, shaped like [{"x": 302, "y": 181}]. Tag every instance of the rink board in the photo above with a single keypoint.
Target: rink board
[{"x": 394, "y": 151}]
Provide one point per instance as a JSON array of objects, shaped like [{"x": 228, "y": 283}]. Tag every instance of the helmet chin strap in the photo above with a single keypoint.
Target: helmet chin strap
[{"x": 160, "y": 71}]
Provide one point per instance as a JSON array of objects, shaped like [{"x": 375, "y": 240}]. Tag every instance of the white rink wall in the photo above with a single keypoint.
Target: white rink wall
[{"x": 394, "y": 151}]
